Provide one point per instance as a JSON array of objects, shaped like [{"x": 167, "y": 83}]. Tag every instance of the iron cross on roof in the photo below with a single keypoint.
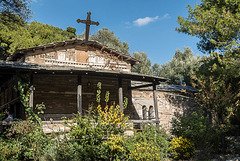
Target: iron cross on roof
[{"x": 88, "y": 22}]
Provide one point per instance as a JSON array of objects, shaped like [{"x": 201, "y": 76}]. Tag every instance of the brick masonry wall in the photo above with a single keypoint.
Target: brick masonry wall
[{"x": 168, "y": 105}]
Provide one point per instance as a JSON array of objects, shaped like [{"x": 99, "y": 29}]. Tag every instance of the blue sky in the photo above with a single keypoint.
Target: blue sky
[{"x": 146, "y": 25}]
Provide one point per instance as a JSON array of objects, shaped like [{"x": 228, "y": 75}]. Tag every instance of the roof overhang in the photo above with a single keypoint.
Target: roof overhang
[
  {"x": 20, "y": 53},
  {"x": 11, "y": 68}
]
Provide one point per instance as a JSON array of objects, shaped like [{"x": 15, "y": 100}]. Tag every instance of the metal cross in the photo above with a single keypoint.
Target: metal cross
[{"x": 88, "y": 22}]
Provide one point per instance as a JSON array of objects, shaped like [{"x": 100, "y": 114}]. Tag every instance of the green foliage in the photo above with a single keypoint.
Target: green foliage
[
  {"x": 150, "y": 144},
  {"x": 98, "y": 96},
  {"x": 25, "y": 139},
  {"x": 15, "y": 36},
  {"x": 194, "y": 127},
  {"x": 107, "y": 38},
  {"x": 99, "y": 136},
  {"x": 181, "y": 65},
  {"x": 156, "y": 70},
  {"x": 144, "y": 67},
  {"x": 182, "y": 148},
  {"x": 40, "y": 108},
  {"x": 215, "y": 23},
  {"x": 70, "y": 32},
  {"x": 218, "y": 84},
  {"x": 16, "y": 7},
  {"x": 218, "y": 93},
  {"x": 23, "y": 87}
]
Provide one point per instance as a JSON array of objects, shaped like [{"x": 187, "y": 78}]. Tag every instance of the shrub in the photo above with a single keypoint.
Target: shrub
[
  {"x": 150, "y": 144},
  {"x": 197, "y": 129},
  {"x": 194, "y": 127},
  {"x": 182, "y": 148},
  {"x": 99, "y": 137},
  {"x": 24, "y": 140}
]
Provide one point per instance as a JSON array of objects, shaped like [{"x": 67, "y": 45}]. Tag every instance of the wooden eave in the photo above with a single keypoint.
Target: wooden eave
[
  {"x": 20, "y": 53},
  {"x": 12, "y": 67}
]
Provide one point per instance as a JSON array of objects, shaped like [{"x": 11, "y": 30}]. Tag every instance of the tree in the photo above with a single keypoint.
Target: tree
[
  {"x": 215, "y": 22},
  {"x": 156, "y": 69},
  {"x": 10, "y": 8},
  {"x": 70, "y": 32},
  {"x": 218, "y": 84},
  {"x": 107, "y": 38},
  {"x": 179, "y": 67},
  {"x": 144, "y": 67},
  {"x": 44, "y": 33},
  {"x": 218, "y": 94},
  {"x": 14, "y": 36}
]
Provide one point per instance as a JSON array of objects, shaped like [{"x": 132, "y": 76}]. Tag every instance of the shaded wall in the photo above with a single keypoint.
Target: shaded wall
[{"x": 59, "y": 93}]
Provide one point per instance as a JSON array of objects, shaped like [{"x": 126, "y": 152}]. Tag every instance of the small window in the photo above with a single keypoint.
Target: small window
[
  {"x": 144, "y": 111},
  {"x": 61, "y": 56},
  {"x": 151, "y": 113},
  {"x": 100, "y": 60},
  {"x": 92, "y": 58}
]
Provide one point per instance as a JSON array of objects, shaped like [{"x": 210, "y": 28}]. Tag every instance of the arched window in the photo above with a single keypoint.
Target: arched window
[
  {"x": 144, "y": 112},
  {"x": 151, "y": 113}
]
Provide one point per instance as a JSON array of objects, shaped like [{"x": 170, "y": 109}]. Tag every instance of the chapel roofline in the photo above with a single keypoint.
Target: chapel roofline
[{"x": 21, "y": 52}]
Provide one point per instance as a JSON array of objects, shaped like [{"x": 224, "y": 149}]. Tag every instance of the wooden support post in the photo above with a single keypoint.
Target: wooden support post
[
  {"x": 79, "y": 95},
  {"x": 120, "y": 93},
  {"x": 31, "y": 91},
  {"x": 155, "y": 103},
  {"x": 31, "y": 96}
]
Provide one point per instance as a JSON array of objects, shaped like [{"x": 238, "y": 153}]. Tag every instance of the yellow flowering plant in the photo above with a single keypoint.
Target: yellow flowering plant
[
  {"x": 112, "y": 119},
  {"x": 182, "y": 148}
]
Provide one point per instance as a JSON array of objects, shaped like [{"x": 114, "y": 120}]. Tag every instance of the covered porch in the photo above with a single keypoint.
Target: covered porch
[{"x": 68, "y": 90}]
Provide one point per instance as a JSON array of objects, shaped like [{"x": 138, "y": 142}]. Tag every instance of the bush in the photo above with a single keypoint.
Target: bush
[
  {"x": 197, "y": 129},
  {"x": 150, "y": 144},
  {"x": 193, "y": 127},
  {"x": 182, "y": 148},
  {"x": 99, "y": 137},
  {"x": 24, "y": 140}
]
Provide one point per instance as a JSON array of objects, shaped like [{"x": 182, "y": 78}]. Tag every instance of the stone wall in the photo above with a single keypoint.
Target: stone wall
[
  {"x": 169, "y": 104},
  {"x": 78, "y": 56}
]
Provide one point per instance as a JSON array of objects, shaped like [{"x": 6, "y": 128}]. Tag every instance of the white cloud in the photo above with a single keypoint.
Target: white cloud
[
  {"x": 144, "y": 21},
  {"x": 35, "y": 1},
  {"x": 166, "y": 16}
]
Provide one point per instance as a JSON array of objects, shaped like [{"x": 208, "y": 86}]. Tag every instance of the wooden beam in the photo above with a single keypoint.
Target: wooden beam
[
  {"x": 155, "y": 103},
  {"x": 120, "y": 93},
  {"x": 79, "y": 94},
  {"x": 142, "y": 86}
]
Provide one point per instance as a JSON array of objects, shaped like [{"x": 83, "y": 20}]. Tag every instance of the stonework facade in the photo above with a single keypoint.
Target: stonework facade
[
  {"x": 169, "y": 103},
  {"x": 77, "y": 55}
]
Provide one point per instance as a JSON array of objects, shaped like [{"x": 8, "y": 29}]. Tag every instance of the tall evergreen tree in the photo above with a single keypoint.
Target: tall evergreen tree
[
  {"x": 16, "y": 7},
  {"x": 144, "y": 67},
  {"x": 215, "y": 22},
  {"x": 107, "y": 38}
]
